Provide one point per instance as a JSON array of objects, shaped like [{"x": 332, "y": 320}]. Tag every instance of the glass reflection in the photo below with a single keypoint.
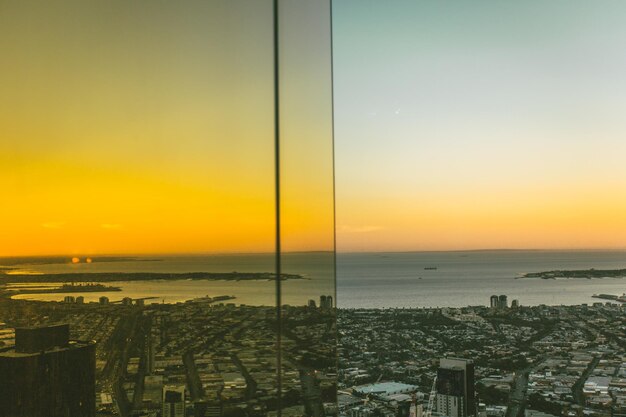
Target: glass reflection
[
  {"x": 308, "y": 334},
  {"x": 137, "y": 173}
]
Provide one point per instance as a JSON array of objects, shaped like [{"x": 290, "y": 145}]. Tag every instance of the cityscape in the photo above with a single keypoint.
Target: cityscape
[
  {"x": 314, "y": 208},
  {"x": 199, "y": 358},
  {"x": 514, "y": 361},
  {"x": 211, "y": 357}
]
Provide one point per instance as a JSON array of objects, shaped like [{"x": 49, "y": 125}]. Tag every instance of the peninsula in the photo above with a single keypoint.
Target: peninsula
[
  {"x": 578, "y": 273},
  {"x": 142, "y": 276},
  {"x": 65, "y": 288}
]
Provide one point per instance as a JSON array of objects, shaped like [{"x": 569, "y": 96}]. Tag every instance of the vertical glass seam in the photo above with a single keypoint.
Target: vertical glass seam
[
  {"x": 332, "y": 126},
  {"x": 277, "y": 203}
]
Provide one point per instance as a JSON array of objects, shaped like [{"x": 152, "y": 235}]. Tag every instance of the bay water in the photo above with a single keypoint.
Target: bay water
[{"x": 365, "y": 280}]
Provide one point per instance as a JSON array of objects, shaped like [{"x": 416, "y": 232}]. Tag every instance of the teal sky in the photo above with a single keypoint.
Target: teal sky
[{"x": 482, "y": 124}]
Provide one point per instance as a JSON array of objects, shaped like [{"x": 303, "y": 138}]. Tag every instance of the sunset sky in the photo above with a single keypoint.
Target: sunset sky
[
  {"x": 483, "y": 124},
  {"x": 148, "y": 127}
]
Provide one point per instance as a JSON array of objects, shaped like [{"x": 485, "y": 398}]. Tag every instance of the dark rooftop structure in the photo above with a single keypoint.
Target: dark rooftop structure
[
  {"x": 39, "y": 339},
  {"x": 47, "y": 374}
]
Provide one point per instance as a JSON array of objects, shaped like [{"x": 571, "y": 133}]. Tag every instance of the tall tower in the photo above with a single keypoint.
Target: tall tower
[
  {"x": 502, "y": 301},
  {"x": 494, "y": 301},
  {"x": 47, "y": 375},
  {"x": 173, "y": 401},
  {"x": 455, "y": 388}
]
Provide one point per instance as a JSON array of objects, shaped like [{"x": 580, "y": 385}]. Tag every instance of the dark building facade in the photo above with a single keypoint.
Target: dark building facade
[
  {"x": 503, "y": 301},
  {"x": 494, "y": 301},
  {"x": 47, "y": 375},
  {"x": 455, "y": 388},
  {"x": 173, "y": 402},
  {"x": 326, "y": 302}
]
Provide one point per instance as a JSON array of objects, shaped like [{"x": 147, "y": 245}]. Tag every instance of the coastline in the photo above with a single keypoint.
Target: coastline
[
  {"x": 141, "y": 276},
  {"x": 590, "y": 273}
]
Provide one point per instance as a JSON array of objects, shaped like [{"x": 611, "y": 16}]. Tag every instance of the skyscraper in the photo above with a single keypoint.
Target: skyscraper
[
  {"x": 47, "y": 375},
  {"x": 494, "y": 301},
  {"x": 502, "y": 301},
  {"x": 326, "y": 302},
  {"x": 173, "y": 401},
  {"x": 455, "y": 388}
]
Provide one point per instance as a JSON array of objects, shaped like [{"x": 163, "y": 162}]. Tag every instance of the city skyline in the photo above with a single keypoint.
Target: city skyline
[{"x": 215, "y": 208}]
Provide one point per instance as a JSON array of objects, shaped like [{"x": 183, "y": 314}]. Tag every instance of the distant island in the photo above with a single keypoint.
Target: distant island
[
  {"x": 142, "y": 276},
  {"x": 65, "y": 288},
  {"x": 578, "y": 273}
]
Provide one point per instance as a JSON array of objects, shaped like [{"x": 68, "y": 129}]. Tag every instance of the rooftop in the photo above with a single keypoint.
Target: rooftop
[{"x": 385, "y": 388}]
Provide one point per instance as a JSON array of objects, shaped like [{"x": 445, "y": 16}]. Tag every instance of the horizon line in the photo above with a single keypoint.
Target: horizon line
[{"x": 57, "y": 255}]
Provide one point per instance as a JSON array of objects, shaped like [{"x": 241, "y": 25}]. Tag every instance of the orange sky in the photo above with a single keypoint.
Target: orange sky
[
  {"x": 148, "y": 128},
  {"x": 157, "y": 137}
]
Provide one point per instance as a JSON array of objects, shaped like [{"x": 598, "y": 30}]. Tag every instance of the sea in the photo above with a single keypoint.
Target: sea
[{"x": 363, "y": 280}]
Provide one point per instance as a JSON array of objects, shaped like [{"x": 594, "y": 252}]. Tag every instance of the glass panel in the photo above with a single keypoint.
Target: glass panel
[
  {"x": 137, "y": 181},
  {"x": 480, "y": 149},
  {"x": 308, "y": 337}
]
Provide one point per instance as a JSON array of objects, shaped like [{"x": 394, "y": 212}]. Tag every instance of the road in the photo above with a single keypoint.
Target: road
[
  {"x": 517, "y": 398},
  {"x": 577, "y": 389}
]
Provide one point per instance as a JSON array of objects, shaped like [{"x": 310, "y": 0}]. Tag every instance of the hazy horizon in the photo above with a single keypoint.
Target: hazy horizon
[
  {"x": 479, "y": 125},
  {"x": 200, "y": 254}
]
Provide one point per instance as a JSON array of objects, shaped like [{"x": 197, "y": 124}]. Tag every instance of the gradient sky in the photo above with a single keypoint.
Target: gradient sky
[
  {"x": 148, "y": 127},
  {"x": 483, "y": 124}
]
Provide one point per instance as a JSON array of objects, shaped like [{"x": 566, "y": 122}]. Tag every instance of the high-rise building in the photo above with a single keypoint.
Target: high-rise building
[
  {"x": 494, "y": 301},
  {"x": 515, "y": 304},
  {"x": 200, "y": 408},
  {"x": 455, "y": 388},
  {"x": 153, "y": 392},
  {"x": 47, "y": 375},
  {"x": 502, "y": 301},
  {"x": 213, "y": 410},
  {"x": 173, "y": 401},
  {"x": 206, "y": 408},
  {"x": 326, "y": 302}
]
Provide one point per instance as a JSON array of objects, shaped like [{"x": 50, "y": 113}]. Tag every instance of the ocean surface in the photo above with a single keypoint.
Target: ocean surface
[
  {"x": 470, "y": 278},
  {"x": 366, "y": 280},
  {"x": 315, "y": 267}
]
